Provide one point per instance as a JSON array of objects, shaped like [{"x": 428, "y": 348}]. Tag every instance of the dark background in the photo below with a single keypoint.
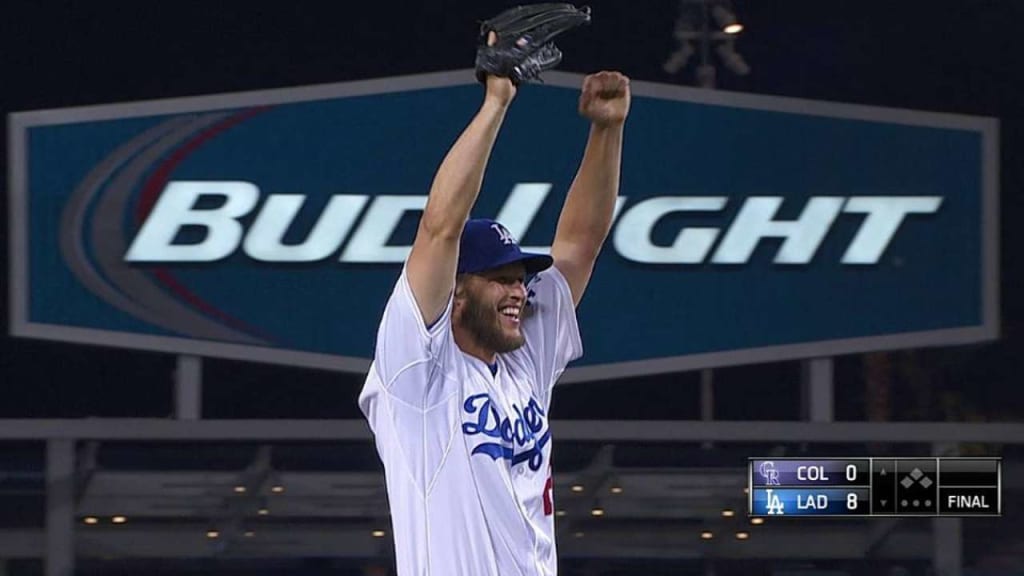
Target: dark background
[{"x": 957, "y": 56}]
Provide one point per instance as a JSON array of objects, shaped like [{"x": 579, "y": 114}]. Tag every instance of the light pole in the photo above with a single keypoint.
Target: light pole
[{"x": 709, "y": 24}]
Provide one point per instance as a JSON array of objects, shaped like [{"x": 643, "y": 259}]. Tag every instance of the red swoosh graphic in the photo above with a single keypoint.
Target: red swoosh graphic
[{"x": 151, "y": 190}]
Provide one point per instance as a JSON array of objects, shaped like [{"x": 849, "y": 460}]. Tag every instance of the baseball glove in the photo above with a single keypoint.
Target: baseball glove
[{"x": 524, "y": 46}]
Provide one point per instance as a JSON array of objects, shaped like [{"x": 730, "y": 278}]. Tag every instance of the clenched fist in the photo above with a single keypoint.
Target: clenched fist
[{"x": 604, "y": 98}]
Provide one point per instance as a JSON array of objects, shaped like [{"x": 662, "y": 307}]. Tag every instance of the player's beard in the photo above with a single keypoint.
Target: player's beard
[{"x": 484, "y": 323}]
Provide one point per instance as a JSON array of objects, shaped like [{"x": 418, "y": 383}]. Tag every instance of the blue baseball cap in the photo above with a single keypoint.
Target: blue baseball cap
[{"x": 486, "y": 244}]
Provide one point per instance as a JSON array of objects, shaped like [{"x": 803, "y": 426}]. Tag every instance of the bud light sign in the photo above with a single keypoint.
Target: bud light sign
[{"x": 271, "y": 226}]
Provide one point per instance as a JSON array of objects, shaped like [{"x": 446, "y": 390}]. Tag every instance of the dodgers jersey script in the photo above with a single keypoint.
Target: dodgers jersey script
[{"x": 467, "y": 452}]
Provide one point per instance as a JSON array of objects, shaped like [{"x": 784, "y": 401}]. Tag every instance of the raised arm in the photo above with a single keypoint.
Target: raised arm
[
  {"x": 432, "y": 262},
  {"x": 587, "y": 213}
]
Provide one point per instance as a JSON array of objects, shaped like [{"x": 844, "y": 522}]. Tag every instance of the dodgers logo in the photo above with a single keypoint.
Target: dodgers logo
[
  {"x": 527, "y": 433},
  {"x": 504, "y": 235},
  {"x": 774, "y": 503}
]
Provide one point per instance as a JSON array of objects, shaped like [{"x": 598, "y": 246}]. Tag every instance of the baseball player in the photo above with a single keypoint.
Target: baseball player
[{"x": 467, "y": 354}]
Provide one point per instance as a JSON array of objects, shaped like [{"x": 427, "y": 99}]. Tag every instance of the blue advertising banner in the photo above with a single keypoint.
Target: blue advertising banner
[{"x": 271, "y": 226}]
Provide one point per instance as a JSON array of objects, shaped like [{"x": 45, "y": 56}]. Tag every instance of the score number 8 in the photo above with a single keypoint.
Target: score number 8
[{"x": 851, "y": 476}]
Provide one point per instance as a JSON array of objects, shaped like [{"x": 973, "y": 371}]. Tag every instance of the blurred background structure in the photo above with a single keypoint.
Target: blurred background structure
[{"x": 98, "y": 470}]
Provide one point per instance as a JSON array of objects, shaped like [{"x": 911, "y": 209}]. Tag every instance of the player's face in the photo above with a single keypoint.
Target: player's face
[{"x": 492, "y": 305}]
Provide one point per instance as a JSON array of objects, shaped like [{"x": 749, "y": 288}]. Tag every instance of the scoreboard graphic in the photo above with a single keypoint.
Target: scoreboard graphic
[{"x": 874, "y": 487}]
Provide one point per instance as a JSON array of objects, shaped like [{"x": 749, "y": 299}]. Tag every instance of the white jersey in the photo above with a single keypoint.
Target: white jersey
[{"x": 467, "y": 454}]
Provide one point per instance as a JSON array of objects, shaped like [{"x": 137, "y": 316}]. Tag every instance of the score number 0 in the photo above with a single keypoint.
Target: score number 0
[{"x": 851, "y": 476}]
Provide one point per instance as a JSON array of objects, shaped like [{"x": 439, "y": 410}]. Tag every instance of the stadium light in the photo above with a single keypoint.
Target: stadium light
[
  {"x": 726, "y": 19},
  {"x": 704, "y": 28}
]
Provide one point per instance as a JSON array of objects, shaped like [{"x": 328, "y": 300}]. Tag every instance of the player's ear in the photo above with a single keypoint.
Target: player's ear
[
  {"x": 458, "y": 296},
  {"x": 460, "y": 287}
]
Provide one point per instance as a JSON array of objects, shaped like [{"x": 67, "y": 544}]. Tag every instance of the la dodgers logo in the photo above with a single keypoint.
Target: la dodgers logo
[
  {"x": 504, "y": 235},
  {"x": 527, "y": 433}
]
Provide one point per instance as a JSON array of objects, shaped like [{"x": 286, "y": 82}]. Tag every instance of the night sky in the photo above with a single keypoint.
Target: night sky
[{"x": 957, "y": 56}]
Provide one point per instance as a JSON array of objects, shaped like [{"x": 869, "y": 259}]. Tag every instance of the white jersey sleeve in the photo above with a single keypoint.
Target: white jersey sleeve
[
  {"x": 408, "y": 351},
  {"x": 406, "y": 383},
  {"x": 551, "y": 331}
]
